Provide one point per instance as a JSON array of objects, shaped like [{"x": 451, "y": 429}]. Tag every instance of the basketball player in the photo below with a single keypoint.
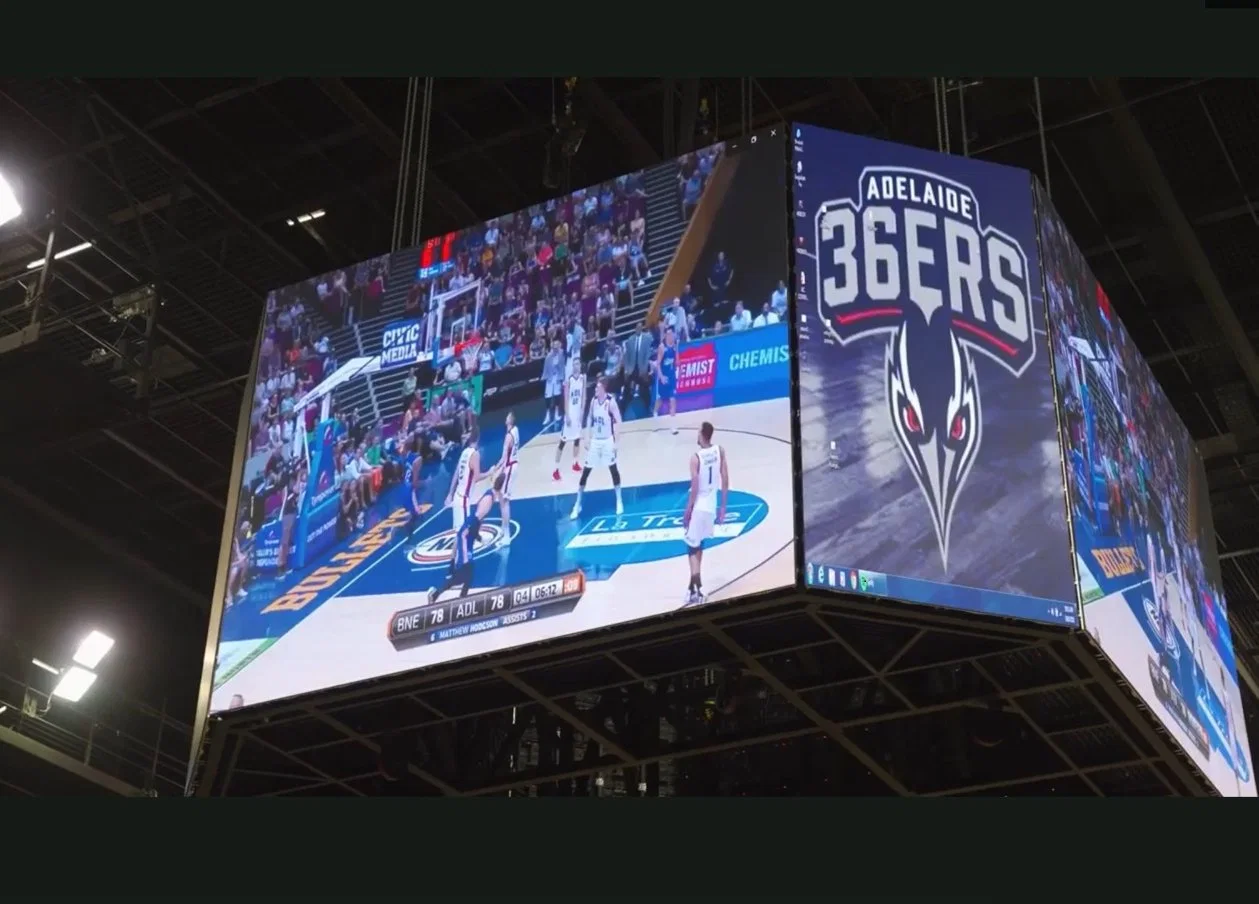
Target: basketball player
[
  {"x": 465, "y": 543},
  {"x": 574, "y": 415},
  {"x": 506, "y": 468},
  {"x": 414, "y": 481},
  {"x": 467, "y": 473},
  {"x": 602, "y": 419},
  {"x": 705, "y": 508},
  {"x": 666, "y": 371},
  {"x": 553, "y": 376}
]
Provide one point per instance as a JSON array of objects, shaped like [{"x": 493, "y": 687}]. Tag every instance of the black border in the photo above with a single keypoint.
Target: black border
[
  {"x": 895, "y": 39},
  {"x": 793, "y": 343},
  {"x": 754, "y": 849}
]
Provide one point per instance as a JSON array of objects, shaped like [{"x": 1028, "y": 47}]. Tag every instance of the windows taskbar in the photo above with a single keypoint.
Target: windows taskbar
[{"x": 946, "y": 596}]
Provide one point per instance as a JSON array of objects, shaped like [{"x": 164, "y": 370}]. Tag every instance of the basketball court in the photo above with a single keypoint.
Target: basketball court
[
  {"x": 636, "y": 564},
  {"x": 1118, "y": 615}
]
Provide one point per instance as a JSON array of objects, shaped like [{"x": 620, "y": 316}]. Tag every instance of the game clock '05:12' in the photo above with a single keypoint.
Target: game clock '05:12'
[{"x": 485, "y": 611}]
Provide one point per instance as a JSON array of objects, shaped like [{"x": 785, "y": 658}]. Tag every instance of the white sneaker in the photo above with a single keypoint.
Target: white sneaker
[
  {"x": 675, "y": 431},
  {"x": 431, "y": 595},
  {"x": 505, "y": 540},
  {"x": 620, "y": 509},
  {"x": 576, "y": 514}
]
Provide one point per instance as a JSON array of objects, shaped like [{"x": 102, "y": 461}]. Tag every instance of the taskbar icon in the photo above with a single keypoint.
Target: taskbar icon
[{"x": 846, "y": 579}]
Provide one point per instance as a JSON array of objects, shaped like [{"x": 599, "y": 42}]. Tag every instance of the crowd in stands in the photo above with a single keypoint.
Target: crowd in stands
[
  {"x": 693, "y": 316},
  {"x": 354, "y": 294},
  {"x": 546, "y": 272},
  {"x": 295, "y": 355}
]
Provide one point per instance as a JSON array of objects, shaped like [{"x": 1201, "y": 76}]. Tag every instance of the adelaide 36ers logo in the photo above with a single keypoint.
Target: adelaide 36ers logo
[{"x": 909, "y": 259}]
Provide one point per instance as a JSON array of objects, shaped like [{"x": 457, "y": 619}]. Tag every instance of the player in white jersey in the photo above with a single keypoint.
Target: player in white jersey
[
  {"x": 467, "y": 473},
  {"x": 705, "y": 505},
  {"x": 602, "y": 419},
  {"x": 553, "y": 376},
  {"x": 574, "y": 415},
  {"x": 507, "y": 466}
]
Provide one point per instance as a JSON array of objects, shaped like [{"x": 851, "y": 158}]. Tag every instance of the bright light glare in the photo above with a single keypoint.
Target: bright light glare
[
  {"x": 52, "y": 670},
  {"x": 74, "y": 684},
  {"x": 10, "y": 209},
  {"x": 66, "y": 252},
  {"x": 307, "y": 217},
  {"x": 93, "y": 649}
]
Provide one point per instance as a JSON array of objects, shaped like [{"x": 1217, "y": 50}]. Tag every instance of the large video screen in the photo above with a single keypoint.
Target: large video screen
[
  {"x": 930, "y": 464},
  {"x": 563, "y": 419},
  {"x": 1145, "y": 545}
]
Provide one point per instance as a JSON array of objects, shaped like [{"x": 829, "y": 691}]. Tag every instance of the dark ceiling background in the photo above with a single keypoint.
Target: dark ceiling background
[{"x": 189, "y": 184}]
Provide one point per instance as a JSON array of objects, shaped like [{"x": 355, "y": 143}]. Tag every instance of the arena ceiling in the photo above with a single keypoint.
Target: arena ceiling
[{"x": 124, "y": 429}]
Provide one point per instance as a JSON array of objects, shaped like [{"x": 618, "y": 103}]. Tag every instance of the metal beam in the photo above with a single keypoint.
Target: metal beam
[
  {"x": 1053, "y": 745},
  {"x": 559, "y": 712},
  {"x": 388, "y": 141},
  {"x": 165, "y": 469},
  {"x": 609, "y": 112},
  {"x": 831, "y": 729},
  {"x": 690, "y": 115},
  {"x": 444, "y": 787},
  {"x": 66, "y": 763},
  {"x": 214, "y": 100},
  {"x": 1182, "y": 231},
  {"x": 327, "y": 777},
  {"x": 106, "y": 544},
  {"x": 200, "y": 185}
]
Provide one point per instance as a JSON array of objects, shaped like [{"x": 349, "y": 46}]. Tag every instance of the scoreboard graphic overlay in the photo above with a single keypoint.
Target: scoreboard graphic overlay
[
  {"x": 350, "y": 539},
  {"x": 931, "y": 470},
  {"x": 1150, "y": 582}
]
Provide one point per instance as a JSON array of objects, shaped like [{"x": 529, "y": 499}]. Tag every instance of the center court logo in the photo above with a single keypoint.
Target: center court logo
[
  {"x": 436, "y": 551},
  {"x": 908, "y": 258}
]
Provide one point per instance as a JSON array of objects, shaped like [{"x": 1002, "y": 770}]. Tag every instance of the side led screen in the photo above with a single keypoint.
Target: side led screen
[
  {"x": 563, "y": 419},
  {"x": 931, "y": 471},
  {"x": 1145, "y": 546}
]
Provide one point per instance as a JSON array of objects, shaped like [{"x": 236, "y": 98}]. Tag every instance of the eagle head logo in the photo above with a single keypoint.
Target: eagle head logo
[{"x": 935, "y": 412}]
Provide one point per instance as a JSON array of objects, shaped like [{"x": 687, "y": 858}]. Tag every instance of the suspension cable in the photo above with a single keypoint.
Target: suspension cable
[
  {"x": 404, "y": 168},
  {"x": 935, "y": 91},
  {"x": 421, "y": 162},
  {"x": 1044, "y": 145}
]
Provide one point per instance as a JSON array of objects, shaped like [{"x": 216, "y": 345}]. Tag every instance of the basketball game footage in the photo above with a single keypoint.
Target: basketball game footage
[
  {"x": 928, "y": 437},
  {"x": 563, "y": 419},
  {"x": 1145, "y": 545}
]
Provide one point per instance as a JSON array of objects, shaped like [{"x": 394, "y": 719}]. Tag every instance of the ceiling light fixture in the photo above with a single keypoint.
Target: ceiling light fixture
[
  {"x": 73, "y": 249},
  {"x": 10, "y": 209},
  {"x": 93, "y": 649},
  {"x": 306, "y": 217},
  {"x": 74, "y": 684}
]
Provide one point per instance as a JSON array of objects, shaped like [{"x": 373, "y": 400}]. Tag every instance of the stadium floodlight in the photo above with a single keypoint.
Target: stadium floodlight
[
  {"x": 306, "y": 217},
  {"x": 74, "y": 684},
  {"x": 10, "y": 209},
  {"x": 52, "y": 670},
  {"x": 64, "y": 253},
  {"x": 93, "y": 649}
]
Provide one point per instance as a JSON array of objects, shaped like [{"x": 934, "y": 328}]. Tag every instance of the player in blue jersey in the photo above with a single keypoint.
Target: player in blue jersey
[
  {"x": 413, "y": 484},
  {"x": 666, "y": 376},
  {"x": 465, "y": 542}
]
